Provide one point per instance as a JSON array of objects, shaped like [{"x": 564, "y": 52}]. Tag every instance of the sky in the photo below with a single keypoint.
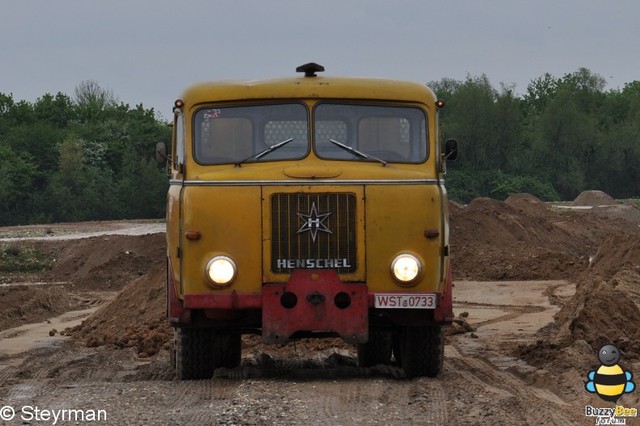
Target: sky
[{"x": 148, "y": 51}]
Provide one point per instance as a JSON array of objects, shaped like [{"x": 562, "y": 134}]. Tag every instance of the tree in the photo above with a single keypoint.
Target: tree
[
  {"x": 539, "y": 92},
  {"x": 140, "y": 186},
  {"x": 57, "y": 111},
  {"x": 40, "y": 142},
  {"x": 17, "y": 173},
  {"x": 92, "y": 100}
]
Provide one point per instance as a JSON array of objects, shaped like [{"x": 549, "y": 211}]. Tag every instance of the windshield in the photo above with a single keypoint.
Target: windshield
[
  {"x": 251, "y": 133},
  {"x": 352, "y": 132},
  {"x": 370, "y": 133}
]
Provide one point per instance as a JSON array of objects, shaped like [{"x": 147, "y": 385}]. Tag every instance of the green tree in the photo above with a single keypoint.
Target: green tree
[
  {"x": 140, "y": 186},
  {"x": 57, "y": 111},
  {"x": 17, "y": 174},
  {"x": 40, "y": 142}
]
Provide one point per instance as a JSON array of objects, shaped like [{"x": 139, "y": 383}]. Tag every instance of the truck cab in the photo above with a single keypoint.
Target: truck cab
[{"x": 308, "y": 206}]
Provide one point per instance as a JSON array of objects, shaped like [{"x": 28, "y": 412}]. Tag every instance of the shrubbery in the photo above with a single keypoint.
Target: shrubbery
[{"x": 89, "y": 158}]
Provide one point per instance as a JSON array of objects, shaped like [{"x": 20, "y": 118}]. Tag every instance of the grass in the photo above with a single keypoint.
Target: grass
[
  {"x": 24, "y": 233},
  {"x": 15, "y": 257},
  {"x": 634, "y": 201}
]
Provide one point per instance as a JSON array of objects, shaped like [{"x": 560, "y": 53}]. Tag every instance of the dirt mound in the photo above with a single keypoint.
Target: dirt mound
[
  {"x": 522, "y": 239},
  {"x": 136, "y": 318},
  {"x": 106, "y": 263},
  {"x": 628, "y": 212},
  {"x": 455, "y": 207},
  {"x": 22, "y": 304},
  {"x": 603, "y": 310},
  {"x": 593, "y": 198},
  {"x": 617, "y": 252},
  {"x": 493, "y": 240},
  {"x": 527, "y": 202},
  {"x": 599, "y": 314}
]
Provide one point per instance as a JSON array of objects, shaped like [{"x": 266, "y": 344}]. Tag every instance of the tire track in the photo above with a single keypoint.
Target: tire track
[
  {"x": 501, "y": 389},
  {"x": 376, "y": 401}
]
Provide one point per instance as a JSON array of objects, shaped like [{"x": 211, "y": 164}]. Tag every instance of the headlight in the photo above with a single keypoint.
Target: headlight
[
  {"x": 406, "y": 268},
  {"x": 221, "y": 271}
]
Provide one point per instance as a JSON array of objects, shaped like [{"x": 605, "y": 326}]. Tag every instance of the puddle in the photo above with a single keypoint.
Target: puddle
[{"x": 31, "y": 336}]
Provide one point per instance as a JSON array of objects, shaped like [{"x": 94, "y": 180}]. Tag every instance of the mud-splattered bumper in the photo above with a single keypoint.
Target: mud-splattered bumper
[{"x": 315, "y": 301}]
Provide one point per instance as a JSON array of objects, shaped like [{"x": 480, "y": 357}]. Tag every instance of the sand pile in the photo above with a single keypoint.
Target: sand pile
[
  {"x": 136, "y": 318},
  {"x": 617, "y": 252},
  {"x": 523, "y": 239},
  {"x": 22, "y": 304},
  {"x": 106, "y": 263},
  {"x": 603, "y": 310},
  {"x": 593, "y": 198},
  {"x": 136, "y": 266},
  {"x": 492, "y": 240}
]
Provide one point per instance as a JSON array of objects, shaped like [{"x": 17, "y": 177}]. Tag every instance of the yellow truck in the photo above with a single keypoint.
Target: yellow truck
[{"x": 308, "y": 206}]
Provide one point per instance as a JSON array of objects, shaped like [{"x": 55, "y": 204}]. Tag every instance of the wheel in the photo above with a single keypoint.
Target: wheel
[
  {"x": 174, "y": 349},
  {"x": 395, "y": 343},
  {"x": 194, "y": 353},
  {"x": 422, "y": 350},
  {"x": 377, "y": 350},
  {"x": 199, "y": 351},
  {"x": 228, "y": 350}
]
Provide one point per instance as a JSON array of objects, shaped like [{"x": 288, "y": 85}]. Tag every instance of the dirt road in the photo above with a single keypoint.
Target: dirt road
[{"x": 310, "y": 382}]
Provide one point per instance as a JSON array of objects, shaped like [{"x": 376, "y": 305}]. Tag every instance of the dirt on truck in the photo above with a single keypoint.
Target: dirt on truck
[
  {"x": 532, "y": 306},
  {"x": 308, "y": 206}
]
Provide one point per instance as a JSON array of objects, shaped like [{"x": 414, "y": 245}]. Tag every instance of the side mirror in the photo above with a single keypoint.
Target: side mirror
[
  {"x": 161, "y": 153},
  {"x": 451, "y": 149}
]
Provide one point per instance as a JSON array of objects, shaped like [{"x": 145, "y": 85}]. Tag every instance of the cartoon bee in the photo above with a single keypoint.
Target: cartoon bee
[{"x": 610, "y": 381}]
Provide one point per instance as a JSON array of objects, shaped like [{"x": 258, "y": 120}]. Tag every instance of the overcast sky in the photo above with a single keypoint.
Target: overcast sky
[{"x": 148, "y": 51}]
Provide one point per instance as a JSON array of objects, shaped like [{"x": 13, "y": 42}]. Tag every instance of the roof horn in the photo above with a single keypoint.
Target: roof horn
[{"x": 310, "y": 69}]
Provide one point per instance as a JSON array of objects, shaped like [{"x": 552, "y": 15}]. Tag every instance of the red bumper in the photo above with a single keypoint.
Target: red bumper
[{"x": 315, "y": 301}]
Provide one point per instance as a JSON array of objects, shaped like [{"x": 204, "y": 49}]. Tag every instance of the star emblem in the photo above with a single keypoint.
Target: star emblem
[{"x": 314, "y": 222}]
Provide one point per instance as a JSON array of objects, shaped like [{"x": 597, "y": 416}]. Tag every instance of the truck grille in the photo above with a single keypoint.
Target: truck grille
[{"x": 313, "y": 231}]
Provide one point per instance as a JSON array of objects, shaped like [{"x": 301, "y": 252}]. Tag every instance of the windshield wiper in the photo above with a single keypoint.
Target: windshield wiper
[
  {"x": 357, "y": 153},
  {"x": 265, "y": 152}
]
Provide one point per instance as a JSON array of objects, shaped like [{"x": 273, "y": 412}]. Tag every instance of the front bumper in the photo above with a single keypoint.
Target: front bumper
[{"x": 315, "y": 301}]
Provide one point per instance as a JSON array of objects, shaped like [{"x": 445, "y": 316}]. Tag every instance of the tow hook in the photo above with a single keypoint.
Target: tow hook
[{"x": 315, "y": 298}]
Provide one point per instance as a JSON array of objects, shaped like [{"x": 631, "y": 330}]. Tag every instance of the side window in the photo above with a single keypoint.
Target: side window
[{"x": 178, "y": 137}]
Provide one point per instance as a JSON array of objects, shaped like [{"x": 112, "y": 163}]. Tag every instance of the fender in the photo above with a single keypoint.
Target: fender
[
  {"x": 176, "y": 312},
  {"x": 444, "y": 312}
]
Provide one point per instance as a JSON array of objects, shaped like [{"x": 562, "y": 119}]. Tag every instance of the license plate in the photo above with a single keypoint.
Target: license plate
[{"x": 405, "y": 301}]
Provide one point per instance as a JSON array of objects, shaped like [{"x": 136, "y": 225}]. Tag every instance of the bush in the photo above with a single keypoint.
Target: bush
[{"x": 14, "y": 258}]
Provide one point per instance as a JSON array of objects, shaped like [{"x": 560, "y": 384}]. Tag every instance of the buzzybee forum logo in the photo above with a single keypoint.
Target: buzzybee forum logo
[{"x": 609, "y": 382}]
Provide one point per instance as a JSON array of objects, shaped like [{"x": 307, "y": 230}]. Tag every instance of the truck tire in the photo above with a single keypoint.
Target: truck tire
[
  {"x": 174, "y": 349},
  {"x": 395, "y": 344},
  {"x": 228, "y": 349},
  {"x": 422, "y": 350},
  {"x": 194, "y": 353},
  {"x": 377, "y": 350}
]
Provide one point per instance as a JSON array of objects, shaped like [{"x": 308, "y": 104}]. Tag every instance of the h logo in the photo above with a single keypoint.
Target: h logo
[{"x": 314, "y": 222}]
